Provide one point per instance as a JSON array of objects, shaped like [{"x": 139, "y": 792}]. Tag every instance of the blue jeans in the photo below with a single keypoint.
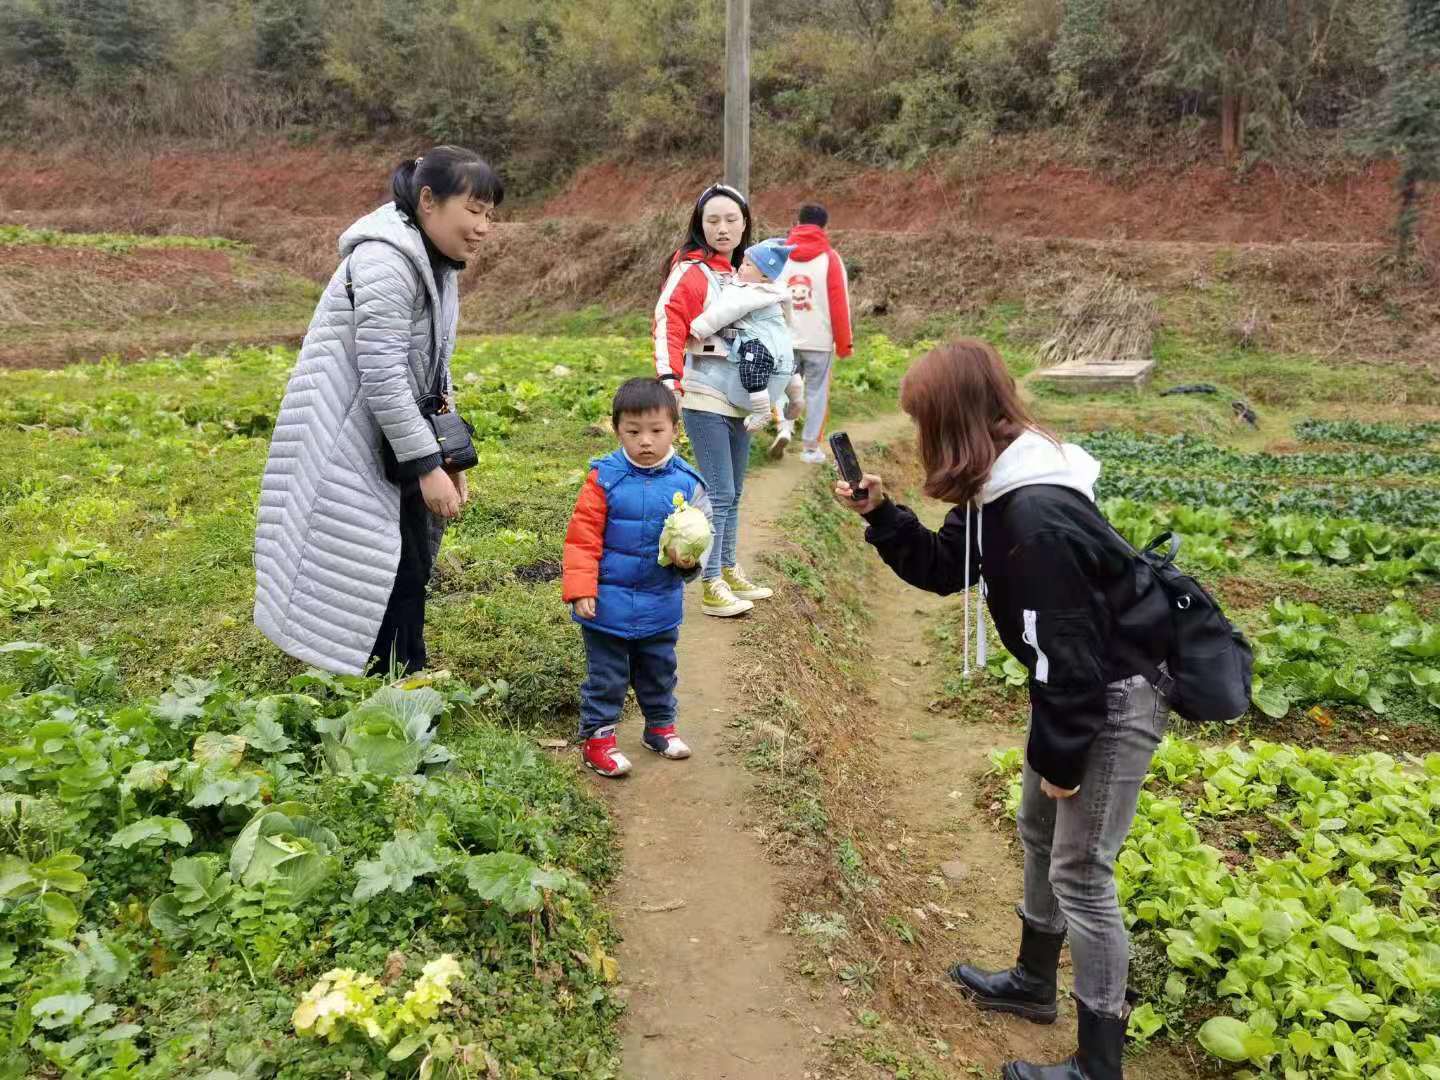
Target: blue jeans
[
  {"x": 613, "y": 665},
  {"x": 1071, "y": 844},
  {"x": 722, "y": 451}
]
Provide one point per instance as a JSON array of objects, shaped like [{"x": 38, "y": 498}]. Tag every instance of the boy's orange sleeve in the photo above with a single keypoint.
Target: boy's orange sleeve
[{"x": 584, "y": 542}]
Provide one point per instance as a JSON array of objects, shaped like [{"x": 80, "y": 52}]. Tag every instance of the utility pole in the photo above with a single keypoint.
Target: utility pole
[{"x": 737, "y": 95}]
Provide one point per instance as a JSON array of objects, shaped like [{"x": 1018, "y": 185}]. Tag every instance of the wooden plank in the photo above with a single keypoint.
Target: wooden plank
[{"x": 1089, "y": 378}]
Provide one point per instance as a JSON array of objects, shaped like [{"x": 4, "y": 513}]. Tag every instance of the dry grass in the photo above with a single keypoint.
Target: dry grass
[
  {"x": 1342, "y": 302},
  {"x": 1104, "y": 322},
  {"x": 65, "y": 304}
]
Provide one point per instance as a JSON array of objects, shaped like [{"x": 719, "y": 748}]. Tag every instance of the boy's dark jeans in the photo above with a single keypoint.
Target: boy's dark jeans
[{"x": 614, "y": 665}]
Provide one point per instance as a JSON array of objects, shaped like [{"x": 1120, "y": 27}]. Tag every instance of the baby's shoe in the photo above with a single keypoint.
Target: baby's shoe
[
  {"x": 599, "y": 754},
  {"x": 782, "y": 439},
  {"x": 742, "y": 586},
  {"x": 666, "y": 743}
]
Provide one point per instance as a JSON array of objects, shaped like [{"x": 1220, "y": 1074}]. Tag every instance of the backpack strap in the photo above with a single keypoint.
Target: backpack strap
[
  {"x": 706, "y": 269},
  {"x": 714, "y": 284},
  {"x": 1164, "y": 539},
  {"x": 1157, "y": 678},
  {"x": 439, "y": 392},
  {"x": 1160, "y": 680}
]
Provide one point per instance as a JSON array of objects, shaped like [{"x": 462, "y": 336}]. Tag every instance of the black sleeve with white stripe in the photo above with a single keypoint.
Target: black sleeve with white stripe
[{"x": 1066, "y": 627}]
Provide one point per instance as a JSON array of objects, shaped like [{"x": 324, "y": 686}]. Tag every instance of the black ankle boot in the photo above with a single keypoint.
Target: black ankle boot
[
  {"x": 1027, "y": 989},
  {"x": 1102, "y": 1046}
]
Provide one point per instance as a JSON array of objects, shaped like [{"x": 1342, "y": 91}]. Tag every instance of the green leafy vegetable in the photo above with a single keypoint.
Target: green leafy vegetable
[
  {"x": 687, "y": 531},
  {"x": 284, "y": 844},
  {"x": 197, "y": 903},
  {"x": 153, "y": 832},
  {"x": 512, "y": 881},
  {"x": 409, "y": 856},
  {"x": 391, "y": 733}
]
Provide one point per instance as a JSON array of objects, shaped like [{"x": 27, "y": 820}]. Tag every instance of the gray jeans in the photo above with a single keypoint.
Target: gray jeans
[
  {"x": 814, "y": 368},
  {"x": 1071, "y": 844}
]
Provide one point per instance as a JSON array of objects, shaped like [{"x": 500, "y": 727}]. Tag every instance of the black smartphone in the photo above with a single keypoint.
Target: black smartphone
[{"x": 848, "y": 464}]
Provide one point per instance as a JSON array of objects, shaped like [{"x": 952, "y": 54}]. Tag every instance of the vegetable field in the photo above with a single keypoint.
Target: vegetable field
[
  {"x": 214, "y": 863},
  {"x": 1282, "y": 895}
]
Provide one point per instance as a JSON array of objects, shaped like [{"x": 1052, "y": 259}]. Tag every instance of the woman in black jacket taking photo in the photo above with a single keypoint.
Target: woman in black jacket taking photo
[{"x": 1058, "y": 582}]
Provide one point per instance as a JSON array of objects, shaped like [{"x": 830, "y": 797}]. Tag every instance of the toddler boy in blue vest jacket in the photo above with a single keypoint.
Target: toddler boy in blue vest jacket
[{"x": 630, "y": 607}]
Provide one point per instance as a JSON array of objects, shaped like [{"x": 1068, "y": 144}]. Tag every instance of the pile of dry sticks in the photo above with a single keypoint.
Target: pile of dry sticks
[{"x": 1108, "y": 322}]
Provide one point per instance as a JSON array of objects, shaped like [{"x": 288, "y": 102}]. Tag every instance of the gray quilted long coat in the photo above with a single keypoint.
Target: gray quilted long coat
[{"x": 328, "y": 539}]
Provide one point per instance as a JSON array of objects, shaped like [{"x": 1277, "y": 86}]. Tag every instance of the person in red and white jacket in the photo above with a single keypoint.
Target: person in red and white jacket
[
  {"x": 714, "y": 244},
  {"x": 820, "y": 292}
]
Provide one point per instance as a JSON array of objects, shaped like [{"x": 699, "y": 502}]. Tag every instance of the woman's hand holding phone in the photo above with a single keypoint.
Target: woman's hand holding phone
[{"x": 873, "y": 494}]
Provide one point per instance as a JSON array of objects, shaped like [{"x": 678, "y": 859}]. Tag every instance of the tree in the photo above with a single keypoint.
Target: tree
[
  {"x": 109, "y": 39},
  {"x": 1407, "y": 120},
  {"x": 289, "y": 38},
  {"x": 1088, "y": 40},
  {"x": 30, "y": 37},
  {"x": 1252, "y": 56}
]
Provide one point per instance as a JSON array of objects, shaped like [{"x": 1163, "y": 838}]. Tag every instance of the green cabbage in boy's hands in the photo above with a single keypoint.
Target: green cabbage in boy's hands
[{"x": 686, "y": 532}]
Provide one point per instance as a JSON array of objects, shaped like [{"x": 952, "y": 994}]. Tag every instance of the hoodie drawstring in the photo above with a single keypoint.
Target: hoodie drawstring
[
  {"x": 965, "y": 601},
  {"x": 982, "y": 644},
  {"x": 982, "y": 641}
]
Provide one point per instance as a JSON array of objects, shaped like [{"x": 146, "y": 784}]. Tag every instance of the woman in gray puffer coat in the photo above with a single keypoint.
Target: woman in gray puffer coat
[{"x": 343, "y": 555}]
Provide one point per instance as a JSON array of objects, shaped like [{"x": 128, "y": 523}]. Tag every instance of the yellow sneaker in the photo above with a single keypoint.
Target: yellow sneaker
[
  {"x": 718, "y": 600},
  {"x": 743, "y": 587}
]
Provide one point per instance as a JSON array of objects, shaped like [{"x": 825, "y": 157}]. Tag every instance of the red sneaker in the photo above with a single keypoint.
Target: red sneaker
[
  {"x": 599, "y": 754},
  {"x": 666, "y": 743}
]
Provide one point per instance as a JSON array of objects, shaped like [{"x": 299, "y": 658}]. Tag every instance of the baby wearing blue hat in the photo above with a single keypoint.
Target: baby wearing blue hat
[{"x": 752, "y": 314}]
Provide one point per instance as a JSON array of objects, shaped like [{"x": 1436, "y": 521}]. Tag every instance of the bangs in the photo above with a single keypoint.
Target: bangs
[
  {"x": 643, "y": 395},
  {"x": 476, "y": 180}
]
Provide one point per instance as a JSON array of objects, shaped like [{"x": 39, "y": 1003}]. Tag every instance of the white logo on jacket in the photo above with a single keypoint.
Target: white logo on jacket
[{"x": 801, "y": 291}]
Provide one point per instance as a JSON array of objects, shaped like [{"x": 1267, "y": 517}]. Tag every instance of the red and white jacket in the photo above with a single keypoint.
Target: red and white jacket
[
  {"x": 820, "y": 291},
  {"x": 685, "y": 296}
]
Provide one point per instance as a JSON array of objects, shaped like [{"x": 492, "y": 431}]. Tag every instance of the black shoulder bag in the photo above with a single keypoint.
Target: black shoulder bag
[
  {"x": 453, "y": 433},
  {"x": 1208, "y": 658}
]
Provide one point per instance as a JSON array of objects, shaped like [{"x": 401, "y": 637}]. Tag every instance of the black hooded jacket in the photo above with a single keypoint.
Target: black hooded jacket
[{"x": 1059, "y": 584}]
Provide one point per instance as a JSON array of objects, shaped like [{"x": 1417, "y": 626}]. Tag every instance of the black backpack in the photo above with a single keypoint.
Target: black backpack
[{"x": 1208, "y": 662}]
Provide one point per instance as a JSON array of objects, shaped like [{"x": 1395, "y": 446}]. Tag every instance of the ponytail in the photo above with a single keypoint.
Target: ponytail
[{"x": 403, "y": 188}]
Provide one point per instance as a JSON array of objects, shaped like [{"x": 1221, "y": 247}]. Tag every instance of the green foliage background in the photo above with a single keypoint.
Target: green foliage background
[{"x": 546, "y": 84}]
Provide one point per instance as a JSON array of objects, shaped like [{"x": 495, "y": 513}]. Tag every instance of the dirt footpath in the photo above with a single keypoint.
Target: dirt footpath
[{"x": 704, "y": 959}]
